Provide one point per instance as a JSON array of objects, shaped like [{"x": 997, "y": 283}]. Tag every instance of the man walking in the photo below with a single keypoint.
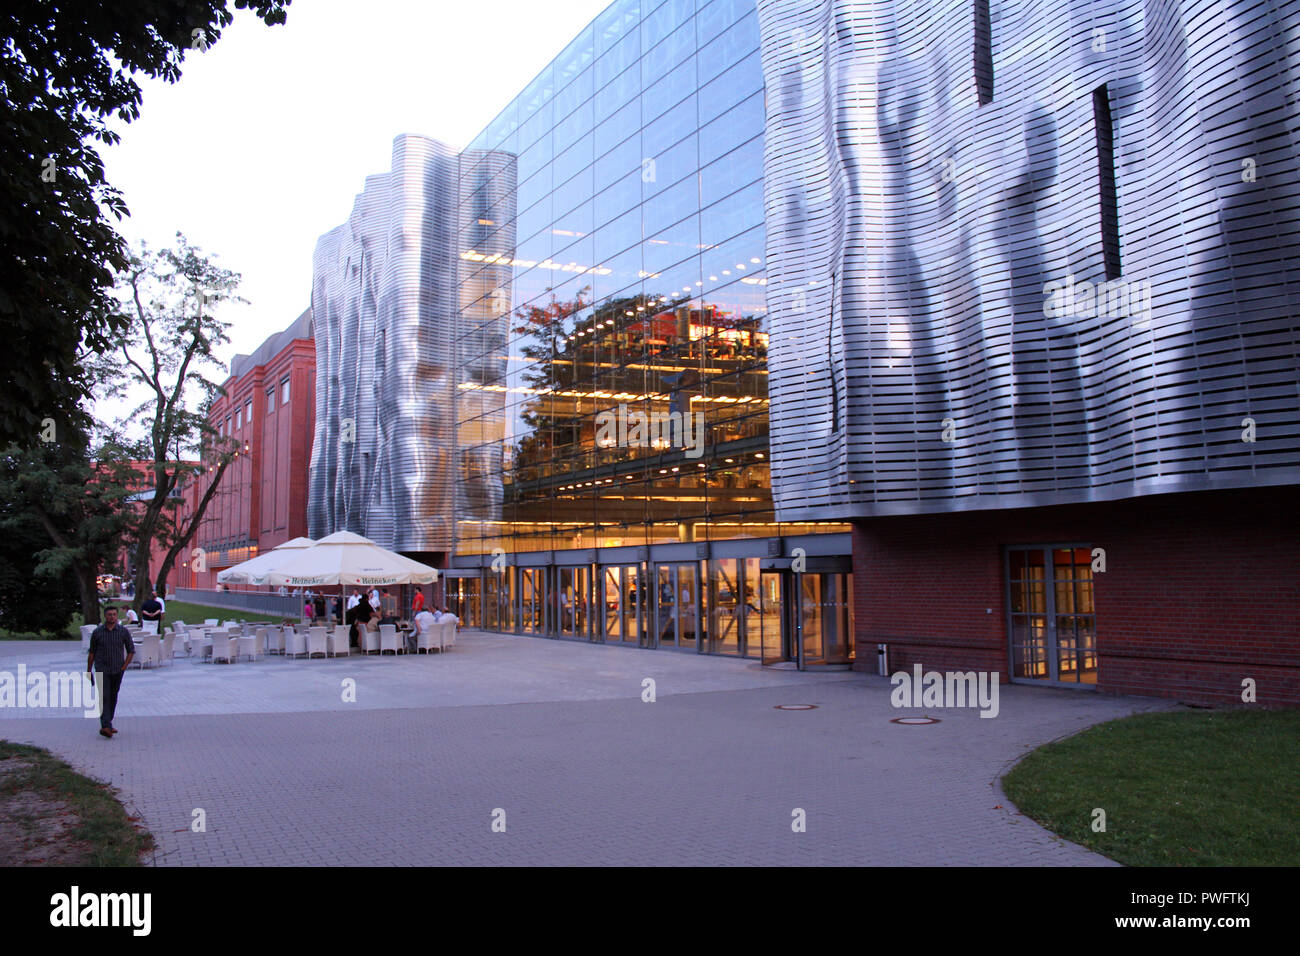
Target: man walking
[{"x": 111, "y": 651}]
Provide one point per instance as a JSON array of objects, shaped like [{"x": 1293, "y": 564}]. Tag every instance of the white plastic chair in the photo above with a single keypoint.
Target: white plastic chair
[
  {"x": 222, "y": 647},
  {"x": 168, "y": 650},
  {"x": 316, "y": 642},
  {"x": 388, "y": 639},
  {"x": 428, "y": 638},
  {"x": 198, "y": 645},
  {"x": 295, "y": 643},
  {"x": 369, "y": 639},
  {"x": 86, "y": 631},
  {"x": 336, "y": 643},
  {"x": 250, "y": 645},
  {"x": 211, "y": 622},
  {"x": 149, "y": 652},
  {"x": 447, "y": 630}
]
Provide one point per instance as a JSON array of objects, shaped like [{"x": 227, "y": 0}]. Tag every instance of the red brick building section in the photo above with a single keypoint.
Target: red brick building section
[
  {"x": 1200, "y": 591},
  {"x": 270, "y": 409}
]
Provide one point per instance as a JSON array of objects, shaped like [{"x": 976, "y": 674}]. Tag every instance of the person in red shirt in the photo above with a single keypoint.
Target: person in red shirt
[{"x": 418, "y": 604}]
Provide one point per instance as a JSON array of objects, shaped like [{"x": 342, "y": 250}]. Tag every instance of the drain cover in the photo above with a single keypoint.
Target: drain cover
[
  {"x": 795, "y": 707},
  {"x": 914, "y": 720}
]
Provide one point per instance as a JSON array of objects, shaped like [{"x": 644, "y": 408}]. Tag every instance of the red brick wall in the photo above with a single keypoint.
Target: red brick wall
[
  {"x": 1200, "y": 591},
  {"x": 263, "y": 496}
]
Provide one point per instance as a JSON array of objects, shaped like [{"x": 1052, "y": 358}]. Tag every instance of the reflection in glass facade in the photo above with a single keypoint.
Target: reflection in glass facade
[
  {"x": 582, "y": 355},
  {"x": 636, "y": 287}
]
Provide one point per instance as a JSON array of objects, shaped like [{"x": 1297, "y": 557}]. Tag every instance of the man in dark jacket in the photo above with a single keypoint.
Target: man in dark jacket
[{"x": 111, "y": 651}]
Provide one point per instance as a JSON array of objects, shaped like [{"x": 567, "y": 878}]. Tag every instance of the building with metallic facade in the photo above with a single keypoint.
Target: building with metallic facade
[
  {"x": 388, "y": 323},
  {"x": 986, "y": 312},
  {"x": 1035, "y": 314},
  {"x": 1037, "y": 259}
]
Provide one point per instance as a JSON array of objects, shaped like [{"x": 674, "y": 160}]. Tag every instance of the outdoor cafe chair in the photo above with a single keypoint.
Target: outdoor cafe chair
[
  {"x": 369, "y": 638},
  {"x": 149, "y": 651},
  {"x": 295, "y": 643},
  {"x": 426, "y": 641},
  {"x": 211, "y": 622},
  {"x": 249, "y": 644},
  {"x": 316, "y": 642},
  {"x": 388, "y": 639},
  {"x": 86, "y": 631},
  {"x": 168, "y": 649},
  {"x": 200, "y": 645},
  {"x": 222, "y": 647},
  {"x": 447, "y": 630},
  {"x": 337, "y": 642}
]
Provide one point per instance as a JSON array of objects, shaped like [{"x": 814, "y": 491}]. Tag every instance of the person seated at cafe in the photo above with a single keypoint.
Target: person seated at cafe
[
  {"x": 362, "y": 616},
  {"x": 424, "y": 622}
]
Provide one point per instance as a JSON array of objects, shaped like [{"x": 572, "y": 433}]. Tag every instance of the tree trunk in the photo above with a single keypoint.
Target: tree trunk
[
  {"x": 186, "y": 534},
  {"x": 88, "y": 586}
]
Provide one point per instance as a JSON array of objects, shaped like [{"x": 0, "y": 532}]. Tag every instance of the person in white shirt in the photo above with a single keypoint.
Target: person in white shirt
[
  {"x": 374, "y": 600},
  {"x": 424, "y": 622},
  {"x": 353, "y": 600}
]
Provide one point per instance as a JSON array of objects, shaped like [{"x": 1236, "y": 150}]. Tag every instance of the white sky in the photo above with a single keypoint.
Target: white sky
[{"x": 268, "y": 136}]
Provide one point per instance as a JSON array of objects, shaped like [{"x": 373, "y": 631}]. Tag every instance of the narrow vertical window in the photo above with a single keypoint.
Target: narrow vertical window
[
  {"x": 1106, "y": 180},
  {"x": 983, "y": 52}
]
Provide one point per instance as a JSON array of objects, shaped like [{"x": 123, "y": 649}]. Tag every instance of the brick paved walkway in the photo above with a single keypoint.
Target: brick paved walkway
[{"x": 557, "y": 736}]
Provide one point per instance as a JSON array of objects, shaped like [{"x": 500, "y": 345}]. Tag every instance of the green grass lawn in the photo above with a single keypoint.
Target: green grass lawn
[
  {"x": 198, "y": 613},
  {"x": 53, "y": 815},
  {"x": 1187, "y": 788},
  {"x": 176, "y": 611}
]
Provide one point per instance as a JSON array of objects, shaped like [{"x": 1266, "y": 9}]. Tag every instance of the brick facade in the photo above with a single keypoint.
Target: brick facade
[
  {"x": 262, "y": 500},
  {"x": 1200, "y": 590}
]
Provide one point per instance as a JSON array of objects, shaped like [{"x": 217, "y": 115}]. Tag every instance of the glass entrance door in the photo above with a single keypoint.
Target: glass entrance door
[
  {"x": 806, "y": 619},
  {"x": 573, "y": 602},
  {"x": 498, "y": 599},
  {"x": 677, "y": 606},
  {"x": 826, "y": 612},
  {"x": 1052, "y": 620},
  {"x": 622, "y": 605},
  {"x": 532, "y": 600}
]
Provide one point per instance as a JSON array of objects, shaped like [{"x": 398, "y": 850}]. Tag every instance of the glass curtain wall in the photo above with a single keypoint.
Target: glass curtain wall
[{"x": 615, "y": 386}]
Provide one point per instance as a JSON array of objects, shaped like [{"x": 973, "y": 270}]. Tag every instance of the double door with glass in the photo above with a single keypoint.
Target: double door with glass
[{"x": 1052, "y": 619}]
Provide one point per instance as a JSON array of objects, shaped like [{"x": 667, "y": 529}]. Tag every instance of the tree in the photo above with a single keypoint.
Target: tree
[
  {"x": 31, "y": 600},
  {"x": 77, "y": 503},
  {"x": 66, "y": 70},
  {"x": 168, "y": 300}
]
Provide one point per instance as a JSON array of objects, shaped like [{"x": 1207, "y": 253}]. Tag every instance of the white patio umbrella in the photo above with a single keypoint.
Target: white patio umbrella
[
  {"x": 347, "y": 559},
  {"x": 247, "y": 572}
]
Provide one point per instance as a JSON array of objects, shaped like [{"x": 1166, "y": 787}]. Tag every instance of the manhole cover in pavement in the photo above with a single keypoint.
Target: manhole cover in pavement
[
  {"x": 795, "y": 707},
  {"x": 914, "y": 720}
]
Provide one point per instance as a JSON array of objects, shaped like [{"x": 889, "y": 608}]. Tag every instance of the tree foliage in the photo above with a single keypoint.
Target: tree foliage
[
  {"x": 67, "y": 69},
  {"x": 67, "y": 510},
  {"x": 168, "y": 301}
]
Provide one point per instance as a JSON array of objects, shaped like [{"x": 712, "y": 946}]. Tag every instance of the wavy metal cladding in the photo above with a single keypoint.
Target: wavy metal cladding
[
  {"x": 913, "y": 234},
  {"x": 384, "y": 302}
]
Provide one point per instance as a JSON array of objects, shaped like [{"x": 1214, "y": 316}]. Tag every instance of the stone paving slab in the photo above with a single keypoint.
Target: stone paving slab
[
  {"x": 586, "y": 772},
  {"x": 482, "y": 668}
]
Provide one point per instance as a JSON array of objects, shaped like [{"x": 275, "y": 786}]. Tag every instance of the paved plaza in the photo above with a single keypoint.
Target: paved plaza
[{"x": 555, "y": 738}]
